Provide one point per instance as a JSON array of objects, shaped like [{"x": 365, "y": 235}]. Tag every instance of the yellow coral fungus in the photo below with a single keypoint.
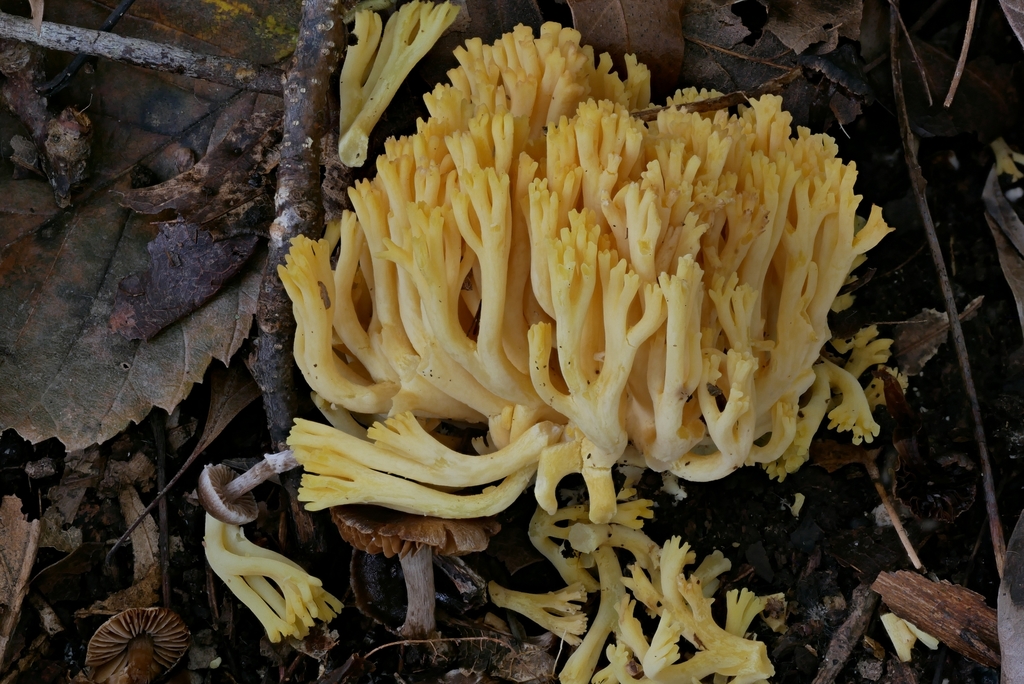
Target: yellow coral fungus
[
  {"x": 534, "y": 254},
  {"x": 285, "y": 598}
]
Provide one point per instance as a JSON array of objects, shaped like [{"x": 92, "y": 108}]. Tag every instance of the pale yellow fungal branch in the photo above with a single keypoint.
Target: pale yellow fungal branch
[
  {"x": 376, "y": 65},
  {"x": 557, "y": 611},
  {"x": 284, "y": 597},
  {"x": 678, "y": 599}
]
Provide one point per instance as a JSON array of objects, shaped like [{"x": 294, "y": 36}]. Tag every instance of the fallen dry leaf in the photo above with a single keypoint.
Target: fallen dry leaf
[
  {"x": 650, "y": 29},
  {"x": 71, "y": 377},
  {"x": 231, "y": 390},
  {"x": 799, "y": 23},
  {"x": 187, "y": 267},
  {"x": 53, "y": 535},
  {"x": 1011, "y": 608},
  {"x": 1002, "y": 211},
  {"x": 145, "y": 542},
  {"x": 1006, "y": 228},
  {"x": 919, "y": 339},
  {"x": 223, "y": 202},
  {"x": 230, "y": 176},
  {"x": 59, "y": 581},
  {"x": 82, "y": 469},
  {"x": 67, "y": 375},
  {"x": 832, "y": 455},
  {"x": 987, "y": 101},
  {"x": 19, "y": 542},
  {"x": 142, "y": 594}
]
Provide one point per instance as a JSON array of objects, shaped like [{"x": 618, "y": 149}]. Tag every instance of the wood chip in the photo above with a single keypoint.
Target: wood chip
[{"x": 953, "y": 614}]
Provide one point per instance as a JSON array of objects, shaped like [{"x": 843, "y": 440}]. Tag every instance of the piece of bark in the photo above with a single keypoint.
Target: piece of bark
[
  {"x": 952, "y": 614},
  {"x": 1011, "y": 609},
  {"x": 862, "y": 607}
]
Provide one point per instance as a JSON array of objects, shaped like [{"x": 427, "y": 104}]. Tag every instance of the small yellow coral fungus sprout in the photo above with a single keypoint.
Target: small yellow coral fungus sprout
[
  {"x": 285, "y": 598},
  {"x": 535, "y": 255},
  {"x": 680, "y": 601},
  {"x": 376, "y": 65}
]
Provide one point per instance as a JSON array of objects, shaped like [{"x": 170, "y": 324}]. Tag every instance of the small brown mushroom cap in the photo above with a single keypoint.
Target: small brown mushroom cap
[
  {"x": 381, "y": 530},
  {"x": 137, "y": 645},
  {"x": 210, "y": 491}
]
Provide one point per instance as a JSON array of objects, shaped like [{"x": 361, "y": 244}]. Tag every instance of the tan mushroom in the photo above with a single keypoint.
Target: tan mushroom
[
  {"x": 227, "y": 496},
  {"x": 136, "y": 646},
  {"x": 414, "y": 539}
]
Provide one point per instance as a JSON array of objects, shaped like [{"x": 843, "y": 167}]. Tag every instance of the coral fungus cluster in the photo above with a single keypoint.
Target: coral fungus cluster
[{"x": 593, "y": 287}]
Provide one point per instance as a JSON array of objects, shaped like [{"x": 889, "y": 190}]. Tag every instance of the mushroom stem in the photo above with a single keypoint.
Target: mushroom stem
[
  {"x": 271, "y": 465},
  {"x": 139, "y": 666},
  {"x": 418, "y": 568}
]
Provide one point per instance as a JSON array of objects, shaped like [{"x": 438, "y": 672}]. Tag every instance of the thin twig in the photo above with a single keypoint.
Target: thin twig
[
  {"x": 725, "y": 101},
  {"x": 732, "y": 53},
  {"x": 455, "y": 640},
  {"x": 64, "y": 78},
  {"x": 894, "y": 517},
  {"x": 917, "y": 181},
  {"x": 862, "y": 607},
  {"x": 152, "y": 504},
  {"x": 962, "y": 61},
  {"x": 158, "y": 421},
  {"x": 917, "y": 59},
  {"x": 236, "y": 73}
]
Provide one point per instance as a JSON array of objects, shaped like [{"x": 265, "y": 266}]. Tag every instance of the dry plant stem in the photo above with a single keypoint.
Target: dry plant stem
[
  {"x": 415, "y": 642},
  {"x": 158, "y": 420},
  {"x": 962, "y": 61},
  {"x": 862, "y": 608},
  {"x": 893, "y": 515},
  {"x": 64, "y": 78},
  {"x": 918, "y": 183},
  {"x": 732, "y": 53},
  {"x": 161, "y": 496},
  {"x": 917, "y": 60},
  {"x": 236, "y": 73},
  {"x": 927, "y": 15},
  {"x": 725, "y": 101}
]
